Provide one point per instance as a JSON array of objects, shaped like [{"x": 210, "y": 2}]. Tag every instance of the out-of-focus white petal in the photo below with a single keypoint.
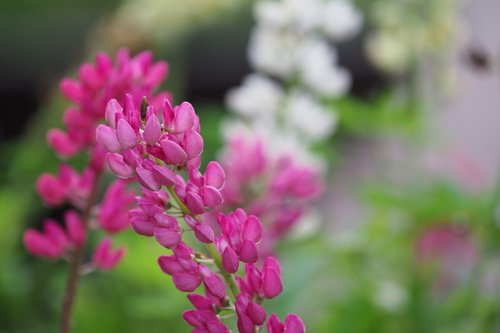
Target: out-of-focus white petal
[
  {"x": 341, "y": 19},
  {"x": 258, "y": 96}
]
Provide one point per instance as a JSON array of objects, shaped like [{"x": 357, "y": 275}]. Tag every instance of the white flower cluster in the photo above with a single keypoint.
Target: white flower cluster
[{"x": 292, "y": 50}]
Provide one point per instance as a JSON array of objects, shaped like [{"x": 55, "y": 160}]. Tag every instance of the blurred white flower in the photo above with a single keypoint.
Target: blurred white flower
[
  {"x": 300, "y": 15},
  {"x": 319, "y": 71},
  {"x": 341, "y": 19},
  {"x": 389, "y": 51},
  {"x": 258, "y": 96},
  {"x": 390, "y": 296},
  {"x": 309, "y": 117},
  {"x": 271, "y": 51},
  {"x": 308, "y": 226}
]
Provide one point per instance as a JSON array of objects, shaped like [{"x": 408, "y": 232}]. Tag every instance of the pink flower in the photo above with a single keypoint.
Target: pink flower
[
  {"x": 452, "y": 248},
  {"x": 54, "y": 241},
  {"x": 75, "y": 228},
  {"x": 185, "y": 272},
  {"x": 293, "y": 324},
  {"x": 106, "y": 258},
  {"x": 250, "y": 314},
  {"x": 113, "y": 212},
  {"x": 288, "y": 188},
  {"x": 204, "y": 321},
  {"x": 266, "y": 283},
  {"x": 239, "y": 235},
  {"x": 97, "y": 84}
]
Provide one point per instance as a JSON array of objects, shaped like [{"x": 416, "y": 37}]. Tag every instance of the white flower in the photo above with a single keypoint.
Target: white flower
[
  {"x": 308, "y": 225},
  {"x": 300, "y": 15},
  {"x": 319, "y": 70},
  {"x": 341, "y": 19},
  {"x": 258, "y": 96},
  {"x": 272, "y": 51},
  {"x": 390, "y": 296},
  {"x": 389, "y": 50},
  {"x": 309, "y": 117}
]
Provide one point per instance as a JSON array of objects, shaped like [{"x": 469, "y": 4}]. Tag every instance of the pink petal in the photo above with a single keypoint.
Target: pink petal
[
  {"x": 156, "y": 74},
  {"x": 126, "y": 134},
  {"x": 164, "y": 175},
  {"x": 214, "y": 175},
  {"x": 186, "y": 281},
  {"x": 169, "y": 265},
  {"x": 61, "y": 142},
  {"x": 293, "y": 324},
  {"x": 256, "y": 313},
  {"x": 274, "y": 325},
  {"x": 211, "y": 196},
  {"x": 194, "y": 203},
  {"x": 230, "y": 260},
  {"x": 89, "y": 77},
  {"x": 193, "y": 144},
  {"x": 147, "y": 179},
  {"x": 184, "y": 117},
  {"x": 248, "y": 252},
  {"x": 103, "y": 63},
  {"x": 55, "y": 233},
  {"x": 50, "y": 189},
  {"x": 142, "y": 226},
  {"x": 119, "y": 167},
  {"x": 112, "y": 109},
  {"x": 106, "y": 137},
  {"x": 271, "y": 283},
  {"x": 200, "y": 302},
  {"x": 245, "y": 324},
  {"x": 204, "y": 233},
  {"x": 173, "y": 152},
  {"x": 271, "y": 263},
  {"x": 166, "y": 237},
  {"x": 252, "y": 229},
  {"x": 214, "y": 283},
  {"x": 75, "y": 228},
  {"x": 152, "y": 130},
  {"x": 71, "y": 89}
]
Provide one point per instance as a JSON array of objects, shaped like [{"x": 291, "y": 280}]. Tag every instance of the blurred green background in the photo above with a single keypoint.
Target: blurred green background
[{"x": 362, "y": 277}]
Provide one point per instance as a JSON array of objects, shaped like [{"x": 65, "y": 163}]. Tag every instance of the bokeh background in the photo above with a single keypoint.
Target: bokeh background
[{"x": 409, "y": 239}]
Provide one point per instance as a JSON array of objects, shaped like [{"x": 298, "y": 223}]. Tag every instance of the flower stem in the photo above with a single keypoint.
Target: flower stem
[
  {"x": 211, "y": 248},
  {"x": 74, "y": 273}
]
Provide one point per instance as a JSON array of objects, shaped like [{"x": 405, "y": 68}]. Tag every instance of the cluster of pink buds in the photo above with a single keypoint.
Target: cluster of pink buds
[
  {"x": 54, "y": 241},
  {"x": 274, "y": 188},
  {"x": 160, "y": 148},
  {"x": 126, "y": 76},
  {"x": 97, "y": 84}
]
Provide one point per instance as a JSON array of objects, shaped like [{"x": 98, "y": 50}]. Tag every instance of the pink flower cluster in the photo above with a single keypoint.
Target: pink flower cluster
[
  {"x": 161, "y": 149},
  {"x": 274, "y": 188},
  {"x": 126, "y": 77}
]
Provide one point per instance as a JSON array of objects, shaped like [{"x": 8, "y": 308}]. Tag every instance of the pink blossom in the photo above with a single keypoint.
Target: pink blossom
[
  {"x": 288, "y": 188},
  {"x": 204, "y": 321},
  {"x": 185, "y": 272},
  {"x": 54, "y": 241},
  {"x": 293, "y": 324},
  {"x": 250, "y": 314},
  {"x": 97, "y": 84},
  {"x": 265, "y": 283},
  {"x": 106, "y": 258},
  {"x": 113, "y": 211},
  {"x": 75, "y": 228},
  {"x": 239, "y": 235},
  {"x": 452, "y": 248}
]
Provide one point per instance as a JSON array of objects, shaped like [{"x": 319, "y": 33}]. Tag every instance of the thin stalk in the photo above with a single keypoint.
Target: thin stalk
[
  {"x": 211, "y": 248},
  {"x": 75, "y": 262}
]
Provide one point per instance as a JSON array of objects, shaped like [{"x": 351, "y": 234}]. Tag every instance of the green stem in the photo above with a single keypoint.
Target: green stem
[
  {"x": 211, "y": 248},
  {"x": 76, "y": 259}
]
